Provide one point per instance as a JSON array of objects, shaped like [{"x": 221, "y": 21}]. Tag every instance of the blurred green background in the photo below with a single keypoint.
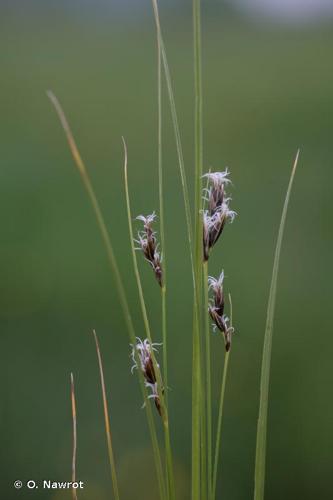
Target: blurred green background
[{"x": 268, "y": 89}]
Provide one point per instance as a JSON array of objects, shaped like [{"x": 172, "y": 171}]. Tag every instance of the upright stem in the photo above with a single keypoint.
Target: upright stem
[
  {"x": 203, "y": 443},
  {"x": 161, "y": 203},
  {"x": 177, "y": 138},
  {"x": 193, "y": 245},
  {"x": 165, "y": 418},
  {"x": 198, "y": 132},
  {"x": 74, "y": 494},
  {"x": 169, "y": 464},
  {"x": 208, "y": 388},
  {"x": 220, "y": 415},
  {"x": 198, "y": 408},
  {"x": 219, "y": 422}
]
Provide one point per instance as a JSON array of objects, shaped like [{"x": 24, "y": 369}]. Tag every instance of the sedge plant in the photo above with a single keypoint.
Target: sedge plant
[{"x": 205, "y": 228}]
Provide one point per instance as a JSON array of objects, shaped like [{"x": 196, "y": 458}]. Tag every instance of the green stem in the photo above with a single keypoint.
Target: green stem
[
  {"x": 260, "y": 465},
  {"x": 169, "y": 465},
  {"x": 115, "y": 269},
  {"x": 169, "y": 462},
  {"x": 162, "y": 227},
  {"x": 164, "y": 340},
  {"x": 196, "y": 410},
  {"x": 165, "y": 419},
  {"x": 208, "y": 384},
  {"x": 203, "y": 445},
  {"x": 196, "y": 371},
  {"x": 177, "y": 139},
  {"x": 219, "y": 423},
  {"x": 198, "y": 401}
]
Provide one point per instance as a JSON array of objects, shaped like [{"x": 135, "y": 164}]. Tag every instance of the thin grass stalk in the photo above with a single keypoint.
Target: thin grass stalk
[
  {"x": 198, "y": 401},
  {"x": 198, "y": 417},
  {"x": 98, "y": 213},
  {"x": 164, "y": 336},
  {"x": 115, "y": 269},
  {"x": 196, "y": 349},
  {"x": 107, "y": 422},
  {"x": 206, "y": 445},
  {"x": 74, "y": 493},
  {"x": 220, "y": 414},
  {"x": 208, "y": 385},
  {"x": 196, "y": 372},
  {"x": 203, "y": 447},
  {"x": 219, "y": 422},
  {"x": 169, "y": 462},
  {"x": 179, "y": 147},
  {"x": 163, "y": 243},
  {"x": 161, "y": 204},
  {"x": 137, "y": 275},
  {"x": 198, "y": 125},
  {"x": 260, "y": 464}
]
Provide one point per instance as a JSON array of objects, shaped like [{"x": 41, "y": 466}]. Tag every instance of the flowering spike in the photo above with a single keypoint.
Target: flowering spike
[
  {"x": 143, "y": 350},
  {"x": 218, "y": 211},
  {"x": 216, "y": 309},
  {"x": 149, "y": 246}
]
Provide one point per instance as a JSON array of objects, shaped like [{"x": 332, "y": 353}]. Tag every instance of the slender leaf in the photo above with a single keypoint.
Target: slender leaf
[
  {"x": 107, "y": 422},
  {"x": 260, "y": 464},
  {"x": 74, "y": 493}
]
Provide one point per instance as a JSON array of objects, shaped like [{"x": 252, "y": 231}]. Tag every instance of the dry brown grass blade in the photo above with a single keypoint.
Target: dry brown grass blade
[
  {"x": 74, "y": 494},
  {"x": 107, "y": 422}
]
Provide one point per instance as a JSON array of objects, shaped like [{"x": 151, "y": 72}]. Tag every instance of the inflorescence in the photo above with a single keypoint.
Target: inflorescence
[
  {"x": 143, "y": 351},
  {"x": 216, "y": 310},
  {"x": 149, "y": 246},
  {"x": 218, "y": 211}
]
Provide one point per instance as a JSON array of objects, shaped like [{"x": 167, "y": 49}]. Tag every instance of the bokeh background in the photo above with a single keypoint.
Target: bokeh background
[{"x": 268, "y": 89}]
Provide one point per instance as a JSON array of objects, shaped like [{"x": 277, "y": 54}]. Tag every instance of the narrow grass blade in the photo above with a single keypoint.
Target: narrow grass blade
[
  {"x": 171, "y": 492},
  {"x": 115, "y": 269},
  {"x": 219, "y": 422},
  {"x": 98, "y": 213},
  {"x": 107, "y": 422},
  {"x": 208, "y": 384},
  {"x": 137, "y": 274},
  {"x": 196, "y": 372},
  {"x": 220, "y": 414},
  {"x": 169, "y": 463},
  {"x": 161, "y": 214},
  {"x": 177, "y": 135},
  {"x": 199, "y": 403},
  {"x": 74, "y": 494},
  {"x": 259, "y": 476},
  {"x": 206, "y": 434}
]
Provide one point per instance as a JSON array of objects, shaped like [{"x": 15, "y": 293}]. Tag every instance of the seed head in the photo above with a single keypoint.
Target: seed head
[
  {"x": 143, "y": 350},
  {"x": 216, "y": 309},
  {"x": 218, "y": 211},
  {"x": 149, "y": 246}
]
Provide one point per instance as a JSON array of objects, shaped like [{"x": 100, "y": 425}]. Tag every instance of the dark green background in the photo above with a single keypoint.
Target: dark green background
[{"x": 267, "y": 91}]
